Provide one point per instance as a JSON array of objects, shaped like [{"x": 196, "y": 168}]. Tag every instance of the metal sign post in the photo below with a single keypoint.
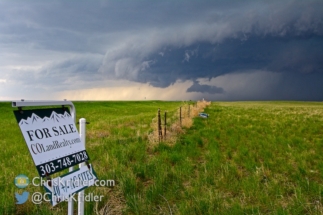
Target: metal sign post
[{"x": 80, "y": 207}]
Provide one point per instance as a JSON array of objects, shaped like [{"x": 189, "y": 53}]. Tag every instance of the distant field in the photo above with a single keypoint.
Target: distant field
[{"x": 246, "y": 158}]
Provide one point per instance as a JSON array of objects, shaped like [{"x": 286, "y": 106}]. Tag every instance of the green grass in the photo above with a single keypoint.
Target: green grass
[{"x": 247, "y": 158}]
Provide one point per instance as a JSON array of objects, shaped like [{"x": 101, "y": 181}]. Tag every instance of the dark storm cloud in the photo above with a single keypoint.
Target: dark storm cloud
[
  {"x": 162, "y": 42},
  {"x": 266, "y": 53},
  {"x": 277, "y": 36}
]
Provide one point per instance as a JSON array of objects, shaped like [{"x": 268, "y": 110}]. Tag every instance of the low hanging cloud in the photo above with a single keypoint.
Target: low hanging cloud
[{"x": 202, "y": 88}]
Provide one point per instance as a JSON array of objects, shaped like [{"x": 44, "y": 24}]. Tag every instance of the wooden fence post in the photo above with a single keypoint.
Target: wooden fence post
[
  {"x": 160, "y": 134},
  {"x": 165, "y": 127},
  {"x": 180, "y": 116}
]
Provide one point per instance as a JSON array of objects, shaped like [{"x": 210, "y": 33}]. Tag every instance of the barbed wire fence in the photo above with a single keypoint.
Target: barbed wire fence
[{"x": 166, "y": 127}]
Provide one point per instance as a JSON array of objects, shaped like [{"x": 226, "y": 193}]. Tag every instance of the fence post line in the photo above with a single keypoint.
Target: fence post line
[
  {"x": 80, "y": 208},
  {"x": 165, "y": 127}
]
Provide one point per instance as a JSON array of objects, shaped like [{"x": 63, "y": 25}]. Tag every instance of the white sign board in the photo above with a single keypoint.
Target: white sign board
[
  {"x": 62, "y": 188},
  {"x": 52, "y": 139}
]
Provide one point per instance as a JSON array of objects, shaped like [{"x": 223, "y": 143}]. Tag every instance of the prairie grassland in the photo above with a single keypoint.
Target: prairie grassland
[{"x": 246, "y": 158}]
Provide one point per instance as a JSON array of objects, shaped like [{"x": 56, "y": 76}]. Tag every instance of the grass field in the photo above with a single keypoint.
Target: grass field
[{"x": 246, "y": 158}]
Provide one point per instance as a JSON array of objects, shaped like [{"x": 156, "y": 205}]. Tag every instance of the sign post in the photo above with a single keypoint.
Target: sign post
[{"x": 80, "y": 207}]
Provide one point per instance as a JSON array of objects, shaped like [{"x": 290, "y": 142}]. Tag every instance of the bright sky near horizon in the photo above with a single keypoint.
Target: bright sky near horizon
[{"x": 165, "y": 50}]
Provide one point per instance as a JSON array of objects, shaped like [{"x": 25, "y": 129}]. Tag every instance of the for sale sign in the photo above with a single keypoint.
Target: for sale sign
[{"x": 52, "y": 139}]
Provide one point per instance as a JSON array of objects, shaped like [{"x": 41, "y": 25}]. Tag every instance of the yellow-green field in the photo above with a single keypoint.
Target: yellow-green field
[{"x": 246, "y": 158}]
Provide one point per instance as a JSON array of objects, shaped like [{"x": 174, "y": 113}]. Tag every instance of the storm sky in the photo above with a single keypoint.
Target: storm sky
[{"x": 167, "y": 50}]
